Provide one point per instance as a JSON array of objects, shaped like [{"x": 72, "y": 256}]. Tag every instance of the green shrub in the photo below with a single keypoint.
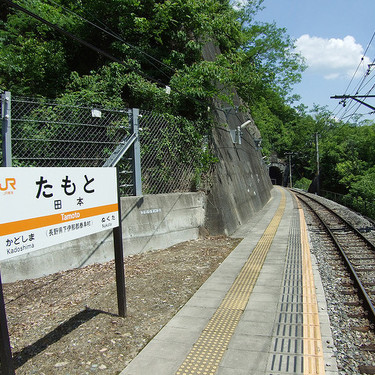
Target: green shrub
[{"x": 303, "y": 183}]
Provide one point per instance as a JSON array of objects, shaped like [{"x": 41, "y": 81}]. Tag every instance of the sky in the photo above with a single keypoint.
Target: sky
[{"x": 333, "y": 36}]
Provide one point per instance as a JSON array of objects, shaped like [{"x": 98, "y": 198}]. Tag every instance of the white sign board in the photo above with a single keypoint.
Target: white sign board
[{"x": 41, "y": 207}]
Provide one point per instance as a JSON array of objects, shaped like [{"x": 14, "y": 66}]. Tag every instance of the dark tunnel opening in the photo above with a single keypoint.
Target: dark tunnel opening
[{"x": 276, "y": 176}]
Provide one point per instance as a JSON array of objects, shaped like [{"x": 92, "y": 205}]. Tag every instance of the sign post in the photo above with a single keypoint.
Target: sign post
[
  {"x": 119, "y": 259},
  {"x": 41, "y": 207},
  {"x": 5, "y": 349}
]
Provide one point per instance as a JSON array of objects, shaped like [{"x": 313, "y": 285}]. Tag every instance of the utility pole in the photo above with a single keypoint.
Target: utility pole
[
  {"x": 290, "y": 168},
  {"x": 317, "y": 164}
]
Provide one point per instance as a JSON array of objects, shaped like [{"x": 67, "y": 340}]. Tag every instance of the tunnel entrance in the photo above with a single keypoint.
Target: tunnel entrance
[{"x": 276, "y": 175}]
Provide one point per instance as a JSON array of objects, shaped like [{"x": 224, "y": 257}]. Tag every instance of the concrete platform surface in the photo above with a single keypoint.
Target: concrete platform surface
[{"x": 251, "y": 316}]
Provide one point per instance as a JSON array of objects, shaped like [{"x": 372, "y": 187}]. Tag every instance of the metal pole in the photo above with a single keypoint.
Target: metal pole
[
  {"x": 290, "y": 171},
  {"x": 317, "y": 164},
  {"x": 119, "y": 259},
  {"x": 137, "y": 172},
  {"x": 6, "y": 362},
  {"x": 6, "y": 129},
  {"x": 290, "y": 168}
]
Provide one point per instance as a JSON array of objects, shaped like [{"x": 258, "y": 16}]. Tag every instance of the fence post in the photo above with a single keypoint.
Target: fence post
[
  {"x": 136, "y": 149},
  {"x": 6, "y": 129}
]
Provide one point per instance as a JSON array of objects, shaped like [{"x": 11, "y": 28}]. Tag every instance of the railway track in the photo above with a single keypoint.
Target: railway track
[
  {"x": 356, "y": 251},
  {"x": 350, "y": 250}
]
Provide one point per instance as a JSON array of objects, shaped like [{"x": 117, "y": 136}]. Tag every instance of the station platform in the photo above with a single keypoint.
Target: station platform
[{"x": 262, "y": 311}]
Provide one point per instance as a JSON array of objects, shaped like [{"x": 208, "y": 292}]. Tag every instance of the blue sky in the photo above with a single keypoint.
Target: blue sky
[{"x": 332, "y": 35}]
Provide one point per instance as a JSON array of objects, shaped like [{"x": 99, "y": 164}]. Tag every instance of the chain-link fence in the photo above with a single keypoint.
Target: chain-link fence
[
  {"x": 169, "y": 162},
  {"x": 54, "y": 134},
  {"x": 51, "y": 134}
]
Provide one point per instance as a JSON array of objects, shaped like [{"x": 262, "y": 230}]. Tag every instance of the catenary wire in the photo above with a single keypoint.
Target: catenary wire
[
  {"x": 362, "y": 59},
  {"x": 110, "y": 32},
  {"x": 100, "y": 51},
  {"x": 354, "y": 105},
  {"x": 368, "y": 93},
  {"x": 347, "y": 106}
]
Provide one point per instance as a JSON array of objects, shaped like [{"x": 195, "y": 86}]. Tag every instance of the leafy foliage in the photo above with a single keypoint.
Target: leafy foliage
[
  {"x": 303, "y": 183},
  {"x": 159, "y": 43},
  {"x": 346, "y": 152},
  {"x": 364, "y": 186}
]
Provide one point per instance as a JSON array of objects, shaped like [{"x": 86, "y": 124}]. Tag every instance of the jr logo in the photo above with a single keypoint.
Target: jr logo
[{"x": 9, "y": 183}]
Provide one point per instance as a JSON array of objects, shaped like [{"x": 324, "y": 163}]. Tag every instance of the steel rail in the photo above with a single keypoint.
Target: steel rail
[
  {"x": 360, "y": 235},
  {"x": 365, "y": 297}
]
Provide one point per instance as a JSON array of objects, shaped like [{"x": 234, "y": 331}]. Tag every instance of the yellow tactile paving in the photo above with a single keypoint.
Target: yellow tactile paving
[
  {"x": 313, "y": 360},
  {"x": 207, "y": 352}
]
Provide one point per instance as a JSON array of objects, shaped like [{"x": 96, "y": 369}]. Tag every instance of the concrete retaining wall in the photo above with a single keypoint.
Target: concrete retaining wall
[
  {"x": 241, "y": 183},
  {"x": 241, "y": 186},
  {"x": 149, "y": 222}
]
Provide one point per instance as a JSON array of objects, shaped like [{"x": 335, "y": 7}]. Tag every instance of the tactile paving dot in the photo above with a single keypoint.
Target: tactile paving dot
[
  {"x": 210, "y": 347},
  {"x": 297, "y": 343}
]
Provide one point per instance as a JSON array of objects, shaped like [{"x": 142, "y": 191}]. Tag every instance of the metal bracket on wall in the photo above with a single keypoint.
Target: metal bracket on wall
[
  {"x": 128, "y": 142},
  {"x": 120, "y": 151},
  {"x": 236, "y": 135}
]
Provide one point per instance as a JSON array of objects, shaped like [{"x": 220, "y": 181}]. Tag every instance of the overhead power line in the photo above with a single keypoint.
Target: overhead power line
[
  {"x": 79, "y": 40},
  {"x": 350, "y": 102},
  {"x": 99, "y": 50},
  {"x": 355, "y": 97},
  {"x": 361, "y": 62},
  {"x": 110, "y": 32},
  {"x": 62, "y": 31}
]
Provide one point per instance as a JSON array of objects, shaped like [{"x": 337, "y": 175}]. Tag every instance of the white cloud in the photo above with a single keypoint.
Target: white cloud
[
  {"x": 333, "y": 58},
  {"x": 331, "y": 76},
  {"x": 238, "y": 4}
]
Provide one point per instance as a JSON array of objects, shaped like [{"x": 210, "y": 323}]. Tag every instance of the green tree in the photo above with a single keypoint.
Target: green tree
[
  {"x": 364, "y": 187},
  {"x": 34, "y": 59},
  {"x": 159, "y": 41}
]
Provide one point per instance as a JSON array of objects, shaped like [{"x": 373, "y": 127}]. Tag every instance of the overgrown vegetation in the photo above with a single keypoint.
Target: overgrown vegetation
[
  {"x": 155, "y": 43},
  {"x": 158, "y": 43},
  {"x": 346, "y": 154}
]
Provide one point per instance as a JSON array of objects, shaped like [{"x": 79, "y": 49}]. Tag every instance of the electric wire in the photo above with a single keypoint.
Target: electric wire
[
  {"x": 362, "y": 60},
  {"x": 369, "y": 81},
  {"x": 79, "y": 40},
  {"x": 354, "y": 106},
  {"x": 368, "y": 93},
  {"x": 66, "y": 33},
  {"x": 100, "y": 51},
  {"x": 349, "y": 104},
  {"x": 367, "y": 73},
  {"x": 110, "y": 32}
]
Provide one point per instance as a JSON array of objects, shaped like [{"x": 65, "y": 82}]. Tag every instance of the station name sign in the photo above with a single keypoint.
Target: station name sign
[{"x": 41, "y": 207}]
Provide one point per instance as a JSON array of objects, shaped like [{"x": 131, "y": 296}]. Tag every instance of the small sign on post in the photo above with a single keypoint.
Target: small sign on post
[{"x": 41, "y": 207}]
